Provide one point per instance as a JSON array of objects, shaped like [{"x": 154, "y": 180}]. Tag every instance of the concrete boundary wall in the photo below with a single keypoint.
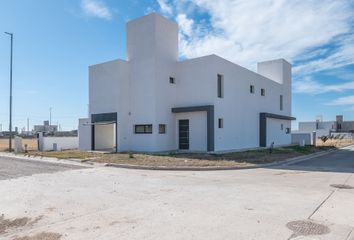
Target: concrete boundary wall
[
  {"x": 298, "y": 138},
  {"x": 62, "y": 143}
]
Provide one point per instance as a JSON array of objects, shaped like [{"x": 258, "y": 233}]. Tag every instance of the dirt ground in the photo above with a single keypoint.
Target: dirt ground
[
  {"x": 335, "y": 142},
  {"x": 235, "y": 159},
  {"x": 31, "y": 143}
]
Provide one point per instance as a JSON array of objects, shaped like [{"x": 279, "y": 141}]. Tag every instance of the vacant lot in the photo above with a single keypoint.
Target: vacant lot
[
  {"x": 31, "y": 143},
  {"x": 335, "y": 142},
  {"x": 235, "y": 159}
]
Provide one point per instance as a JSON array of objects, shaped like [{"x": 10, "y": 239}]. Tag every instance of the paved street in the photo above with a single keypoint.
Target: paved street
[
  {"x": 340, "y": 161},
  {"x": 13, "y": 168},
  {"x": 65, "y": 202}
]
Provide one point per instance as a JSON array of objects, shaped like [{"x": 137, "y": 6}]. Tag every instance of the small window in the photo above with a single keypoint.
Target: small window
[
  {"x": 281, "y": 102},
  {"x": 252, "y": 89},
  {"x": 282, "y": 127},
  {"x": 220, "y": 86},
  {"x": 221, "y": 123},
  {"x": 172, "y": 80},
  {"x": 162, "y": 128},
  {"x": 143, "y": 129},
  {"x": 262, "y": 91},
  {"x": 287, "y": 130}
]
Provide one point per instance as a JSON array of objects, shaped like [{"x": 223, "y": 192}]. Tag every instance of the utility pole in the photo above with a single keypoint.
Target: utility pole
[
  {"x": 27, "y": 126},
  {"x": 10, "y": 127},
  {"x": 50, "y": 116}
]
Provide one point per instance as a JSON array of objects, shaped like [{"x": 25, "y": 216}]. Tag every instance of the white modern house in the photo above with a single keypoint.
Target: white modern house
[{"x": 154, "y": 102}]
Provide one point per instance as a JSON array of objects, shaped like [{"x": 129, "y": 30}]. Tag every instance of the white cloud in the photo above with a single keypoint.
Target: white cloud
[
  {"x": 185, "y": 24},
  {"x": 96, "y": 8},
  {"x": 246, "y": 31},
  {"x": 164, "y": 6},
  {"x": 310, "y": 86},
  {"x": 348, "y": 100}
]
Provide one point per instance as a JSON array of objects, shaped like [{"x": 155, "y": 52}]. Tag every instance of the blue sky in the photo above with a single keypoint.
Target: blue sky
[{"x": 56, "y": 41}]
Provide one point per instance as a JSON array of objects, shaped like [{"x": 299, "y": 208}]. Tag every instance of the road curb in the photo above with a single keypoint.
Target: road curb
[
  {"x": 162, "y": 168},
  {"x": 282, "y": 163}
]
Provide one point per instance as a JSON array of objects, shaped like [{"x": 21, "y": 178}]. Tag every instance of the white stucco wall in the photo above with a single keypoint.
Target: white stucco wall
[
  {"x": 139, "y": 91},
  {"x": 63, "y": 143},
  {"x": 299, "y": 138},
  {"x": 276, "y": 134},
  {"x": 84, "y": 134},
  {"x": 239, "y": 108},
  {"x": 323, "y": 129}
]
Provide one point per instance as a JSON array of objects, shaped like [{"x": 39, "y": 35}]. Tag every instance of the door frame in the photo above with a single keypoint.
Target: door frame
[
  {"x": 103, "y": 117},
  {"x": 179, "y": 134},
  {"x": 210, "y": 121}
]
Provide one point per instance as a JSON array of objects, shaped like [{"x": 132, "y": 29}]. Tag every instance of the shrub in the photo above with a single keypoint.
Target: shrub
[{"x": 324, "y": 139}]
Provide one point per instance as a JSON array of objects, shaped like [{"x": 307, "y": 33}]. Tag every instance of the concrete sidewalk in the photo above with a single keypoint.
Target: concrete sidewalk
[{"x": 110, "y": 203}]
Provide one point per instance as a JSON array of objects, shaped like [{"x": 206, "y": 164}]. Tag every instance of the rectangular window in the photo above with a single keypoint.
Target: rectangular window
[
  {"x": 221, "y": 122},
  {"x": 162, "y": 128},
  {"x": 282, "y": 127},
  {"x": 172, "y": 80},
  {"x": 252, "y": 89},
  {"x": 281, "y": 102},
  {"x": 143, "y": 129},
  {"x": 287, "y": 130},
  {"x": 262, "y": 91},
  {"x": 220, "y": 86}
]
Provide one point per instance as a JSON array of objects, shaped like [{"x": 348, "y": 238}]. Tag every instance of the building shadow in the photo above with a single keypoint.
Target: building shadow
[{"x": 341, "y": 161}]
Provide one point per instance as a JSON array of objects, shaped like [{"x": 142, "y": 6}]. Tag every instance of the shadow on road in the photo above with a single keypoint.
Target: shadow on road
[{"x": 341, "y": 160}]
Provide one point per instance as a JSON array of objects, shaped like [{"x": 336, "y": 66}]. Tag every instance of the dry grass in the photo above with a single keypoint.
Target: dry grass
[
  {"x": 67, "y": 154},
  {"x": 335, "y": 142},
  {"x": 41, "y": 236},
  {"x": 13, "y": 224},
  {"x": 31, "y": 143},
  {"x": 235, "y": 159}
]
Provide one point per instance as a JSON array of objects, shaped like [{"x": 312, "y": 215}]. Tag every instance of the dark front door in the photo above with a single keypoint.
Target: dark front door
[{"x": 183, "y": 129}]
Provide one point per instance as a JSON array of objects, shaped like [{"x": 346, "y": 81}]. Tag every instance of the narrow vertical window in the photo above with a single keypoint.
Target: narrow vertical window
[
  {"x": 220, "y": 86},
  {"x": 281, "y": 102},
  {"x": 172, "y": 80},
  {"x": 282, "y": 127},
  {"x": 262, "y": 91},
  {"x": 251, "y": 88},
  {"x": 221, "y": 122}
]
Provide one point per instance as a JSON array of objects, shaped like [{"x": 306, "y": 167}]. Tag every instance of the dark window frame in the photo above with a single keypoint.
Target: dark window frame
[
  {"x": 220, "y": 123},
  {"x": 162, "y": 128},
  {"x": 172, "y": 80},
  {"x": 252, "y": 89},
  {"x": 288, "y": 130},
  {"x": 262, "y": 91},
  {"x": 281, "y": 102},
  {"x": 220, "y": 85},
  {"x": 146, "y": 128}
]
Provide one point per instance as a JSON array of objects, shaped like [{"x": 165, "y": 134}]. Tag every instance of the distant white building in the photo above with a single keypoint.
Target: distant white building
[
  {"x": 154, "y": 102},
  {"x": 325, "y": 128},
  {"x": 46, "y": 128}
]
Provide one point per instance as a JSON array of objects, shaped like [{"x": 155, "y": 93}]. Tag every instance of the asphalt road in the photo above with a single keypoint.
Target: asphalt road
[
  {"x": 110, "y": 203},
  {"x": 338, "y": 161},
  {"x": 14, "y": 168}
]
